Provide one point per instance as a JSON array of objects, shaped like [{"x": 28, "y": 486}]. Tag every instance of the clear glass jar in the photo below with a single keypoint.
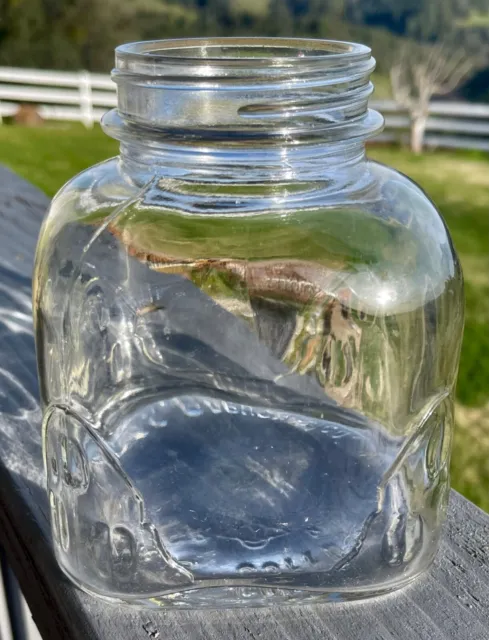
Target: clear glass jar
[{"x": 248, "y": 336}]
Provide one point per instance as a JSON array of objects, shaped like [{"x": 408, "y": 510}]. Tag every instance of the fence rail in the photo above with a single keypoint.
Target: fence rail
[
  {"x": 84, "y": 97},
  {"x": 453, "y": 125},
  {"x": 78, "y": 96}
]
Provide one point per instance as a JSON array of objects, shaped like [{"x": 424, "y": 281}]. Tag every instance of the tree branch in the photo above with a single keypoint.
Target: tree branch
[{"x": 420, "y": 72}]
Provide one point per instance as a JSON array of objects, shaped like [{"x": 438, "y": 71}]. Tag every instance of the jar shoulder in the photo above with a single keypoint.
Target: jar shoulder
[
  {"x": 90, "y": 190},
  {"x": 405, "y": 201},
  {"x": 105, "y": 185},
  {"x": 393, "y": 215},
  {"x": 386, "y": 242}
]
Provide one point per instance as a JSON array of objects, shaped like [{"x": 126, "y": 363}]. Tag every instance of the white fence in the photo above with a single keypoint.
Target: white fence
[
  {"x": 453, "y": 125},
  {"x": 84, "y": 97},
  {"x": 61, "y": 95}
]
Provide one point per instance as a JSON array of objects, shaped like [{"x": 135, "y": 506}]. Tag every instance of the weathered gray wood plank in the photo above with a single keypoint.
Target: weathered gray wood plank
[{"x": 450, "y": 602}]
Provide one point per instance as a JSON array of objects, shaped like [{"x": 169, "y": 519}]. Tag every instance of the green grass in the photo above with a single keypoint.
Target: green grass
[
  {"x": 458, "y": 183},
  {"x": 475, "y": 19},
  {"x": 382, "y": 85},
  {"x": 48, "y": 156}
]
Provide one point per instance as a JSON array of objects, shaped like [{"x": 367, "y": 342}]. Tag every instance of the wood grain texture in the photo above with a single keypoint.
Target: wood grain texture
[{"x": 450, "y": 602}]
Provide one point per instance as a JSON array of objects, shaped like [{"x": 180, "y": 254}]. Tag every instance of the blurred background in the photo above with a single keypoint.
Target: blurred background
[{"x": 432, "y": 83}]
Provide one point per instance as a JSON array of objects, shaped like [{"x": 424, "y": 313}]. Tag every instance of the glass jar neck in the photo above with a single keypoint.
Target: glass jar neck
[{"x": 293, "y": 104}]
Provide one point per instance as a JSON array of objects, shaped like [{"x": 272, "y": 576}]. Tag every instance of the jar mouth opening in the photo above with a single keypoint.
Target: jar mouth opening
[
  {"x": 233, "y": 89},
  {"x": 244, "y": 51}
]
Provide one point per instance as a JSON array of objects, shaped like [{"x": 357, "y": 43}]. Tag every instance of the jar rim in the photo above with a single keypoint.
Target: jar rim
[
  {"x": 238, "y": 52},
  {"x": 246, "y": 88}
]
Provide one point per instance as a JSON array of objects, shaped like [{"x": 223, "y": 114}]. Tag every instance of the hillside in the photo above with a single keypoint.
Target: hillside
[{"x": 83, "y": 33}]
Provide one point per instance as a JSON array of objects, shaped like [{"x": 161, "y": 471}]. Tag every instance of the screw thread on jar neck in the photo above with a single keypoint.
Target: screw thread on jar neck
[{"x": 235, "y": 92}]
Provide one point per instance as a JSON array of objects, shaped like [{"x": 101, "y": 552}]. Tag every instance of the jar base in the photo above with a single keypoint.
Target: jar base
[{"x": 234, "y": 597}]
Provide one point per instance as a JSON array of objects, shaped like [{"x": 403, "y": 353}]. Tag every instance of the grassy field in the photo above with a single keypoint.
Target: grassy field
[{"x": 457, "y": 182}]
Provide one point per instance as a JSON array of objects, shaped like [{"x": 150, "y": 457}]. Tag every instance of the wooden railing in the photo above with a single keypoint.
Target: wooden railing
[{"x": 16, "y": 621}]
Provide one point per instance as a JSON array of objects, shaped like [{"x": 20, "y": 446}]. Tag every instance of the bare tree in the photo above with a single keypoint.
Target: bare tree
[{"x": 420, "y": 72}]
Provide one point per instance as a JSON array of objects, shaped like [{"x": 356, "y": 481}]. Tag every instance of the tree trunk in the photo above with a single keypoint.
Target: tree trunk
[{"x": 418, "y": 128}]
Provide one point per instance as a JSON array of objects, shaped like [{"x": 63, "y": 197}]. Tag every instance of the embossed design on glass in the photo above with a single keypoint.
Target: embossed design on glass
[{"x": 248, "y": 337}]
